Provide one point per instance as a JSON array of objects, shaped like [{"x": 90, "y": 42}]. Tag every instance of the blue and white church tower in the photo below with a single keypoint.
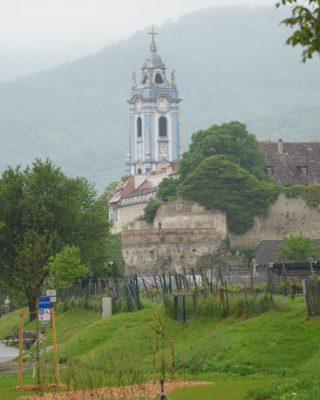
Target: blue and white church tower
[{"x": 154, "y": 139}]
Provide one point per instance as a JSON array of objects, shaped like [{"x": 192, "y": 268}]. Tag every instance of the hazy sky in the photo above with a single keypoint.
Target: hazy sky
[{"x": 36, "y": 34}]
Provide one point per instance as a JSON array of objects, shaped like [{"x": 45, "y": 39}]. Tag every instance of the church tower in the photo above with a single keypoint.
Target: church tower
[{"x": 154, "y": 140}]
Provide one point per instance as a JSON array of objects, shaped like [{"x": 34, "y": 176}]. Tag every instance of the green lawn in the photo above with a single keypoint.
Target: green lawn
[
  {"x": 220, "y": 390},
  {"x": 7, "y": 384},
  {"x": 280, "y": 347}
]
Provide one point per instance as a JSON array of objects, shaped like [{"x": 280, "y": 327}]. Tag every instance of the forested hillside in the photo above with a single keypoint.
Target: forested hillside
[{"x": 230, "y": 63}]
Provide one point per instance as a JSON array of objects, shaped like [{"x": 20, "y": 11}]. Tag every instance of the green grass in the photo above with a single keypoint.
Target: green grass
[
  {"x": 220, "y": 390},
  {"x": 279, "y": 349},
  {"x": 8, "y": 383}
]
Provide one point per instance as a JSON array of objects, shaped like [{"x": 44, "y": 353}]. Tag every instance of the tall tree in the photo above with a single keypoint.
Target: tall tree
[
  {"x": 232, "y": 140},
  {"x": 167, "y": 188},
  {"x": 42, "y": 212},
  {"x": 305, "y": 18}
]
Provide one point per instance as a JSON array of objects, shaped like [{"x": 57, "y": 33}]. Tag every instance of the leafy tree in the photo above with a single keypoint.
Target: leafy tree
[
  {"x": 218, "y": 183},
  {"x": 298, "y": 248},
  {"x": 305, "y": 17},
  {"x": 167, "y": 189},
  {"x": 66, "y": 267},
  {"x": 231, "y": 140},
  {"x": 115, "y": 262},
  {"x": 43, "y": 211},
  {"x": 151, "y": 210}
]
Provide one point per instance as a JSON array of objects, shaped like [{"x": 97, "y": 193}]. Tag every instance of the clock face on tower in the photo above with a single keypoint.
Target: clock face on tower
[
  {"x": 139, "y": 104},
  {"x": 162, "y": 104}
]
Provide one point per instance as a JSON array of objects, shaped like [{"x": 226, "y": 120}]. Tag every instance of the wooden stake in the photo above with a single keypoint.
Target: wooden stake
[
  {"x": 154, "y": 360},
  {"x": 222, "y": 298},
  {"x": 173, "y": 373},
  {"x": 21, "y": 316},
  {"x": 55, "y": 347}
]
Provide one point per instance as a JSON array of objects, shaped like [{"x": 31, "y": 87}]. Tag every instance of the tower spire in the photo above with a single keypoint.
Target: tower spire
[{"x": 153, "y": 46}]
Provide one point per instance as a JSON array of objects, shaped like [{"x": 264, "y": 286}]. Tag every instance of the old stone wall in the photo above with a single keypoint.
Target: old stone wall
[
  {"x": 186, "y": 235},
  {"x": 183, "y": 235},
  {"x": 181, "y": 214},
  {"x": 126, "y": 215},
  {"x": 285, "y": 216}
]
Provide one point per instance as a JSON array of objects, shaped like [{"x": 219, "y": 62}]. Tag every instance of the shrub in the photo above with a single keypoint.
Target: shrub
[{"x": 151, "y": 210}]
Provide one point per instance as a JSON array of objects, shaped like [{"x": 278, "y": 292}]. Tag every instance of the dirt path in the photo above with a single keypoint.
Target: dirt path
[{"x": 147, "y": 391}]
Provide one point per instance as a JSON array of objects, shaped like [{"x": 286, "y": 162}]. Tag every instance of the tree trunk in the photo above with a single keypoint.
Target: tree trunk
[{"x": 32, "y": 309}]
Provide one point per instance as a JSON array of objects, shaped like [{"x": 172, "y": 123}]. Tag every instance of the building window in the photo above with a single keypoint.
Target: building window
[
  {"x": 139, "y": 127},
  {"x": 303, "y": 170},
  {"x": 158, "y": 78},
  {"x": 139, "y": 171},
  {"x": 269, "y": 170},
  {"x": 163, "y": 127}
]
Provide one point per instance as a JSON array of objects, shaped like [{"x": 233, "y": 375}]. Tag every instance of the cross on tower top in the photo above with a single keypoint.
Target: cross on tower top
[{"x": 153, "y": 46}]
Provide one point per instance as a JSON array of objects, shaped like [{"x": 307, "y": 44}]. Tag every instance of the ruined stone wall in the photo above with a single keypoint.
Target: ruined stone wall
[
  {"x": 285, "y": 216},
  {"x": 183, "y": 235},
  {"x": 126, "y": 215},
  {"x": 182, "y": 214},
  {"x": 186, "y": 235}
]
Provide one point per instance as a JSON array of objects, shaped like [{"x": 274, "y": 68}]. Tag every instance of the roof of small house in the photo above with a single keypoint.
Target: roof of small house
[
  {"x": 289, "y": 159},
  {"x": 149, "y": 185},
  {"x": 126, "y": 188}
]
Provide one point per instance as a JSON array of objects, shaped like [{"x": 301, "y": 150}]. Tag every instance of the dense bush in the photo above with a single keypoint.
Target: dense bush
[
  {"x": 151, "y": 210},
  {"x": 233, "y": 141},
  {"x": 167, "y": 189},
  {"x": 218, "y": 183},
  {"x": 310, "y": 194}
]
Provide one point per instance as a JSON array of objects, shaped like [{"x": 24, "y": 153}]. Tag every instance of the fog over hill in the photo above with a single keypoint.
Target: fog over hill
[{"x": 230, "y": 63}]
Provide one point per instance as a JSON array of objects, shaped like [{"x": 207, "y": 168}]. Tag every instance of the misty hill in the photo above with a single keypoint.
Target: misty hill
[{"x": 230, "y": 63}]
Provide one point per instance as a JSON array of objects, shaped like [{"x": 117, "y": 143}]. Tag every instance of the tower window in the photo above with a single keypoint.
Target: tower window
[
  {"x": 139, "y": 127},
  {"x": 139, "y": 171},
  {"x": 162, "y": 127},
  {"x": 158, "y": 78}
]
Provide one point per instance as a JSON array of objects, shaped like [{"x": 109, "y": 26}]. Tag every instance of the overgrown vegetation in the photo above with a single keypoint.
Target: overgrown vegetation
[
  {"x": 224, "y": 169},
  {"x": 309, "y": 193},
  {"x": 298, "y": 248},
  {"x": 218, "y": 183},
  {"x": 48, "y": 218},
  {"x": 167, "y": 190},
  {"x": 151, "y": 210},
  {"x": 231, "y": 140}
]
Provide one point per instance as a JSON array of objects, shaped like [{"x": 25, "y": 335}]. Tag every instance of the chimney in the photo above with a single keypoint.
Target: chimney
[{"x": 280, "y": 147}]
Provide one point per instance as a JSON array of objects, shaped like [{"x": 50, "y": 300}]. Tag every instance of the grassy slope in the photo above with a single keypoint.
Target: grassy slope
[{"x": 248, "y": 353}]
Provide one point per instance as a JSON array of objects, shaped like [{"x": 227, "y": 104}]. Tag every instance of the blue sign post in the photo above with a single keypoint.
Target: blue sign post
[{"x": 44, "y": 308}]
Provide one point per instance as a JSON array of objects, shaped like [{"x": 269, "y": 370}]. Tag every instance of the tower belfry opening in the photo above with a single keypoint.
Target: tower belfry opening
[{"x": 154, "y": 112}]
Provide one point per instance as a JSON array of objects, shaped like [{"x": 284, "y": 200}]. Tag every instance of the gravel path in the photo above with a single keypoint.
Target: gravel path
[
  {"x": 7, "y": 353},
  {"x": 147, "y": 391}
]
